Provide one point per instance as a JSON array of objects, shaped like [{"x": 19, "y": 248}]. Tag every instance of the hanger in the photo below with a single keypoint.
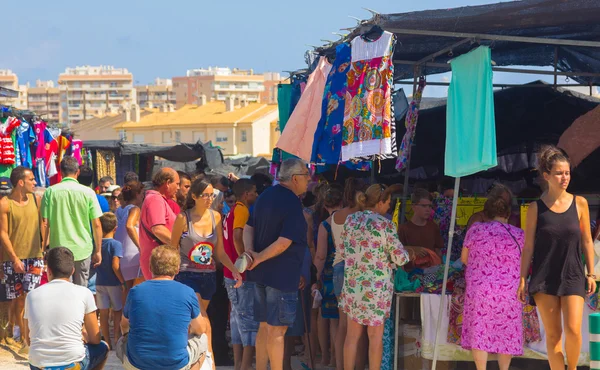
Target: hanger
[{"x": 373, "y": 34}]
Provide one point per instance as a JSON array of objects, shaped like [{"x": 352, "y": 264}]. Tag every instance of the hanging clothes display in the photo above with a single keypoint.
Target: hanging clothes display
[
  {"x": 470, "y": 120},
  {"x": 368, "y": 126},
  {"x": 327, "y": 145},
  {"x": 412, "y": 115},
  {"x": 298, "y": 136},
  {"x": 105, "y": 164},
  {"x": 76, "y": 148}
]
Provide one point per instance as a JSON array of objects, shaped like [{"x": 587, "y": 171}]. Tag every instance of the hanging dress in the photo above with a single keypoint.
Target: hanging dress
[
  {"x": 327, "y": 143},
  {"x": 329, "y": 304},
  {"x": 299, "y": 133},
  {"x": 369, "y": 129}
]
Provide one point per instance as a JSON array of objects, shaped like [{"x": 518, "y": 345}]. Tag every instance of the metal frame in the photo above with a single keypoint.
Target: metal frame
[{"x": 428, "y": 62}]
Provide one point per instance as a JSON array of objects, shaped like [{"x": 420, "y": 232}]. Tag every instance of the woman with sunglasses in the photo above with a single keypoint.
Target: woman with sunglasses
[
  {"x": 198, "y": 234},
  {"x": 371, "y": 250}
]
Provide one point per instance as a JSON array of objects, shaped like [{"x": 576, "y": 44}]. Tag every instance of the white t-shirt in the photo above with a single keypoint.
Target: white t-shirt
[{"x": 55, "y": 313}]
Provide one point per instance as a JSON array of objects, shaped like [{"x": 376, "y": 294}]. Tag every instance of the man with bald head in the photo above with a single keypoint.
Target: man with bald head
[{"x": 157, "y": 218}]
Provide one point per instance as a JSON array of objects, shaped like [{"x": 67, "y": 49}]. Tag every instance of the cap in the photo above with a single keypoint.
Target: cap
[{"x": 5, "y": 184}]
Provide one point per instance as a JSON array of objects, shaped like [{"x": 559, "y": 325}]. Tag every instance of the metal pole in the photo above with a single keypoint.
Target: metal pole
[
  {"x": 555, "y": 65},
  {"x": 497, "y": 85},
  {"x": 446, "y": 268},
  {"x": 510, "y": 70},
  {"x": 485, "y": 36},
  {"x": 416, "y": 72}
]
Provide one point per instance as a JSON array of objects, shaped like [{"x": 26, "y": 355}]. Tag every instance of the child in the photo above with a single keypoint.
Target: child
[{"x": 109, "y": 281}]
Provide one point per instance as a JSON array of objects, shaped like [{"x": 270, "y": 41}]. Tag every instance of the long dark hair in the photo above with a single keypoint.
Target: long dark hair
[{"x": 197, "y": 188}]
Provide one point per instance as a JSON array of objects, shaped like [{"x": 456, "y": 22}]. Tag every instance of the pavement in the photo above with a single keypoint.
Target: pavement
[{"x": 11, "y": 360}]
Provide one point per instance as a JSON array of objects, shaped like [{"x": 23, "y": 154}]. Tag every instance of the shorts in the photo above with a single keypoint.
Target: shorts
[
  {"x": 203, "y": 283},
  {"x": 82, "y": 272},
  {"x": 109, "y": 297},
  {"x": 92, "y": 281},
  {"x": 302, "y": 322},
  {"x": 338, "y": 279},
  {"x": 273, "y": 306},
  {"x": 95, "y": 354},
  {"x": 18, "y": 284},
  {"x": 241, "y": 319},
  {"x": 197, "y": 346}
]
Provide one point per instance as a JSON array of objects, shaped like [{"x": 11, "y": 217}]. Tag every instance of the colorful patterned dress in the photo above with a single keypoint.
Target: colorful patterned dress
[
  {"x": 368, "y": 122},
  {"x": 371, "y": 251},
  {"x": 493, "y": 316}
]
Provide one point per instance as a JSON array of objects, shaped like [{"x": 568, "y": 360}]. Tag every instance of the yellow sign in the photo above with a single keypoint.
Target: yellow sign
[
  {"x": 524, "y": 209},
  {"x": 466, "y": 208}
]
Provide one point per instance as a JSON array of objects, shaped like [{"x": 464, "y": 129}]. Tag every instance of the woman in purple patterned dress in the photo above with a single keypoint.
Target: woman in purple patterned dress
[{"x": 493, "y": 316}]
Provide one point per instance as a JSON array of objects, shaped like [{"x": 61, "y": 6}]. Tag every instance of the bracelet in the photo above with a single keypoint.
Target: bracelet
[{"x": 591, "y": 276}]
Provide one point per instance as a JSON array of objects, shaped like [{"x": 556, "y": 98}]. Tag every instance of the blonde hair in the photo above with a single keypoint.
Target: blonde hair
[
  {"x": 374, "y": 194},
  {"x": 164, "y": 261}
]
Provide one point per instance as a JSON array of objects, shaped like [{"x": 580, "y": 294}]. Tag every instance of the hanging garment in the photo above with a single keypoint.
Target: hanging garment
[
  {"x": 51, "y": 149},
  {"x": 105, "y": 164},
  {"x": 368, "y": 126},
  {"x": 40, "y": 173},
  {"x": 42, "y": 137},
  {"x": 25, "y": 136},
  {"x": 299, "y": 133},
  {"x": 284, "y": 106},
  {"x": 470, "y": 120},
  {"x": 582, "y": 137},
  {"x": 7, "y": 147},
  {"x": 76, "y": 147},
  {"x": 412, "y": 116}
]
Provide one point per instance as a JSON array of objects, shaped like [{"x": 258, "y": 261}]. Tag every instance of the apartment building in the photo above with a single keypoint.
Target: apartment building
[
  {"x": 44, "y": 100},
  {"x": 218, "y": 84},
  {"x": 272, "y": 80},
  {"x": 157, "y": 94},
  {"x": 9, "y": 80},
  {"x": 89, "y": 91}
]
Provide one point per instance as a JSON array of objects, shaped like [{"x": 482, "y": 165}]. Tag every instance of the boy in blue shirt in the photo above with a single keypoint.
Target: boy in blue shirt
[{"x": 110, "y": 284}]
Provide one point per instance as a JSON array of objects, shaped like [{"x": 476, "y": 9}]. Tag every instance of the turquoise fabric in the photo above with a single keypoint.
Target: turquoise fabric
[
  {"x": 470, "y": 121},
  {"x": 284, "y": 102}
]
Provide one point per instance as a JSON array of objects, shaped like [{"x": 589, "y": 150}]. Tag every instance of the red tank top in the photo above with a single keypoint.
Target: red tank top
[{"x": 228, "y": 242}]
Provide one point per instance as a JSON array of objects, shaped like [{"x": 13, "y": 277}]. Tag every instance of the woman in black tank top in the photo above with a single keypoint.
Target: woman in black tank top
[{"x": 557, "y": 236}]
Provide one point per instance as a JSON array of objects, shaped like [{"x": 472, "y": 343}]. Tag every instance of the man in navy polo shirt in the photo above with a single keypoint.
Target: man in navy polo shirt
[{"x": 275, "y": 236}]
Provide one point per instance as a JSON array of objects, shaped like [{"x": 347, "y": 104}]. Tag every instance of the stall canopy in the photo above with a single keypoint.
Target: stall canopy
[
  {"x": 527, "y": 117},
  {"x": 572, "y": 26}
]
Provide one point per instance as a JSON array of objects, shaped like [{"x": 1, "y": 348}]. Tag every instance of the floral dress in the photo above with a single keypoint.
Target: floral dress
[
  {"x": 493, "y": 316},
  {"x": 371, "y": 250}
]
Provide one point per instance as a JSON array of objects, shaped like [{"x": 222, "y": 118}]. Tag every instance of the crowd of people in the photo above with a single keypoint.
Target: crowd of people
[{"x": 157, "y": 271}]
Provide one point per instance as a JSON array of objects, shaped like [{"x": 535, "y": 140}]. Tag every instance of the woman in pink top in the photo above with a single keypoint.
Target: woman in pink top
[{"x": 157, "y": 218}]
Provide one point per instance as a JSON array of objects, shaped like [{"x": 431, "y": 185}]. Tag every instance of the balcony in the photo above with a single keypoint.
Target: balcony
[{"x": 243, "y": 88}]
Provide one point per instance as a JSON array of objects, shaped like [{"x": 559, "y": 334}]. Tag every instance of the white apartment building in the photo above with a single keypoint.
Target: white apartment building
[
  {"x": 44, "y": 100},
  {"x": 89, "y": 91},
  {"x": 156, "y": 95},
  {"x": 10, "y": 80}
]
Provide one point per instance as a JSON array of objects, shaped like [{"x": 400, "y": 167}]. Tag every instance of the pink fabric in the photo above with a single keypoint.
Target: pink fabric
[
  {"x": 582, "y": 137},
  {"x": 76, "y": 146},
  {"x": 493, "y": 317},
  {"x": 40, "y": 129},
  {"x": 155, "y": 211},
  {"x": 299, "y": 133}
]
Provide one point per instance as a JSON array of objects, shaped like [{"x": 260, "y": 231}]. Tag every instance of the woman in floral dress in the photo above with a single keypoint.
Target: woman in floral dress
[
  {"x": 493, "y": 315},
  {"x": 371, "y": 250}
]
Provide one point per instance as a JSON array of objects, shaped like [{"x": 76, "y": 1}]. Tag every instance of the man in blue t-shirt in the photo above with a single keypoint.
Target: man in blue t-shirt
[
  {"x": 159, "y": 313},
  {"x": 275, "y": 236}
]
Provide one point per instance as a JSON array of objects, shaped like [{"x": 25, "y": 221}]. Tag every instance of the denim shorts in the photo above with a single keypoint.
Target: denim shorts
[
  {"x": 95, "y": 354},
  {"x": 241, "y": 318},
  {"x": 203, "y": 283},
  {"x": 273, "y": 306},
  {"x": 302, "y": 322},
  {"x": 338, "y": 279}
]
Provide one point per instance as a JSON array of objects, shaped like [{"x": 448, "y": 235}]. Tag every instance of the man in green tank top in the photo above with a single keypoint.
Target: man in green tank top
[{"x": 21, "y": 240}]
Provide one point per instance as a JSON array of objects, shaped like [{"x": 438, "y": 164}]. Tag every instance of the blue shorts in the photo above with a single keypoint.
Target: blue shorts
[
  {"x": 241, "y": 318},
  {"x": 95, "y": 354},
  {"x": 203, "y": 283},
  {"x": 273, "y": 306},
  {"x": 338, "y": 279},
  {"x": 92, "y": 280},
  {"x": 302, "y": 322}
]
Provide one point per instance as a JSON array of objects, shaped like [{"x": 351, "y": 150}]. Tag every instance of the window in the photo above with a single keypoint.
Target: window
[
  {"x": 221, "y": 137},
  {"x": 199, "y": 136},
  {"x": 138, "y": 138},
  {"x": 166, "y": 137},
  {"x": 177, "y": 136},
  {"x": 244, "y": 137}
]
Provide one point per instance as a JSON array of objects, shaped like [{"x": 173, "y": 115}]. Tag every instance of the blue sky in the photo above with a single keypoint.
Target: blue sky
[{"x": 155, "y": 38}]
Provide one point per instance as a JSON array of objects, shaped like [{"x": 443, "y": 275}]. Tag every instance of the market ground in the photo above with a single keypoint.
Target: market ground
[{"x": 10, "y": 360}]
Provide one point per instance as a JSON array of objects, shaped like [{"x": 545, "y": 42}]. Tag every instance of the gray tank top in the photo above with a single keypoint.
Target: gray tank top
[{"x": 197, "y": 251}]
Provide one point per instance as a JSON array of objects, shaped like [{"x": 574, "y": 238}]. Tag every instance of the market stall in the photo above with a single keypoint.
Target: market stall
[{"x": 410, "y": 46}]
